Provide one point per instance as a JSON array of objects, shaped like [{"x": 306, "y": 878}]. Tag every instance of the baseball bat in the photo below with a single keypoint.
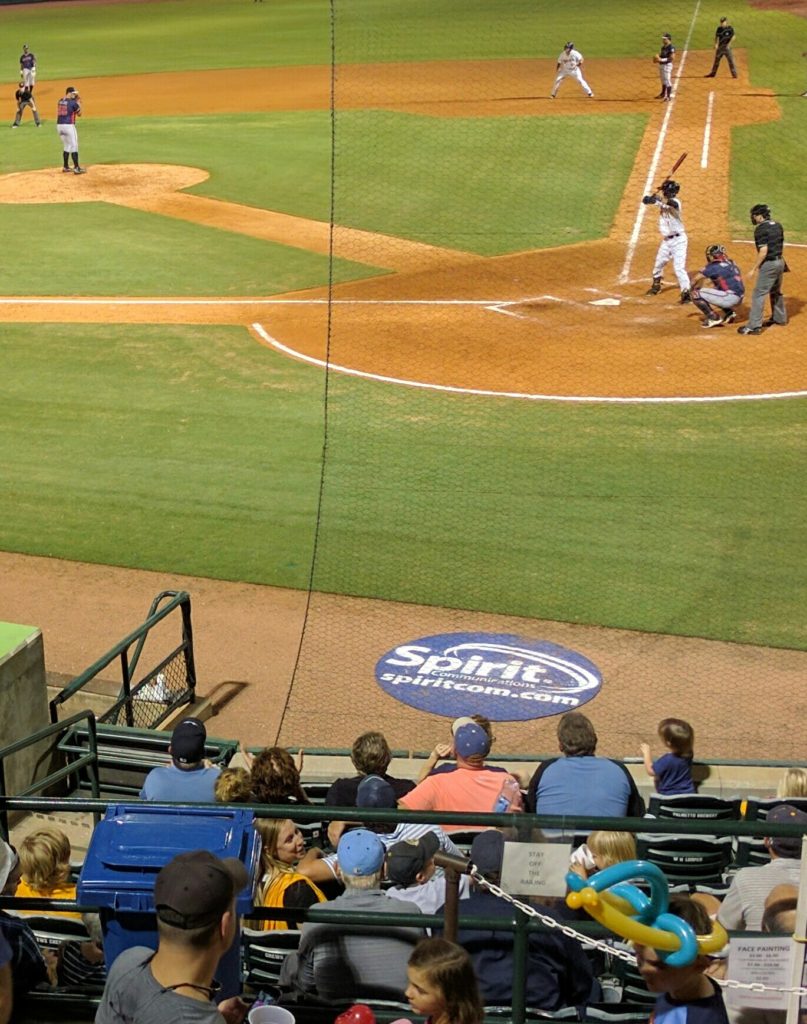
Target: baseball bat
[{"x": 673, "y": 169}]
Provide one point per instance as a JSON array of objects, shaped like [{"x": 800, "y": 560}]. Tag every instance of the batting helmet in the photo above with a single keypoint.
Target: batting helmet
[
  {"x": 760, "y": 210},
  {"x": 670, "y": 189},
  {"x": 569, "y": 46},
  {"x": 715, "y": 252}
]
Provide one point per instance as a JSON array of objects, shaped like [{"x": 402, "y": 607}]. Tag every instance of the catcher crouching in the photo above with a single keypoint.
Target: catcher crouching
[{"x": 718, "y": 289}]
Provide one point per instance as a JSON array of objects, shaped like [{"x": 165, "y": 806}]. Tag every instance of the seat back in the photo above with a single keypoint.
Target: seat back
[
  {"x": 263, "y": 955},
  {"x": 694, "y": 807},
  {"x": 687, "y": 859}
]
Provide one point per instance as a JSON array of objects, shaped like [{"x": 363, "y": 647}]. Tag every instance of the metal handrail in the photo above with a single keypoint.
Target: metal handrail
[
  {"x": 180, "y": 598},
  {"x": 88, "y": 760}
]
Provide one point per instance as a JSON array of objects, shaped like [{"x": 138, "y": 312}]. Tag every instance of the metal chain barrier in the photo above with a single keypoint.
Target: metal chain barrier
[{"x": 605, "y": 945}]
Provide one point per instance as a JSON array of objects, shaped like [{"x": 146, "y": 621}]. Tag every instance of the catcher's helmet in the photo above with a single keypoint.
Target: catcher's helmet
[
  {"x": 569, "y": 46},
  {"x": 760, "y": 210},
  {"x": 670, "y": 189},
  {"x": 715, "y": 252}
]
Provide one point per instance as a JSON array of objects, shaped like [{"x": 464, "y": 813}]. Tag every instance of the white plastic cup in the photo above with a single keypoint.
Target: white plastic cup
[{"x": 270, "y": 1015}]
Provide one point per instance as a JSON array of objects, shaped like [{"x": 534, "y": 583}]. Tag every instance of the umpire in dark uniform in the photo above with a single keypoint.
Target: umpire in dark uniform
[
  {"x": 724, "y": 35},
  {"x": 769, "y": 238}
]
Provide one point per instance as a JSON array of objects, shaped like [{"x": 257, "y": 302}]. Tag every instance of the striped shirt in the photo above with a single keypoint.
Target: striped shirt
[
  {"x": 406, "y": 832},
  {"x": 744, "y": 905}
]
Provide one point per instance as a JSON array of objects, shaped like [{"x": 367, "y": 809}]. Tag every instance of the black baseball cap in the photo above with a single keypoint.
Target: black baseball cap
[
  {"x": 405, "y": 860},
  {"x": 188, "y": 741},
  {"x": 194, "y": 889}
]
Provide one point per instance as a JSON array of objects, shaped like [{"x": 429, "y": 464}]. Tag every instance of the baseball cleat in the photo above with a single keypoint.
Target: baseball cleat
[
  {"x": 772, "y": 323},
  {"x": 79, "y": 170},
  {"x": 716, "y": 321},
  {"x": 66, "y": 170},
  {"x": 749, "y": 330},
  {"x": 729, "y": 318},
  {"x": 685, "y": 298}
]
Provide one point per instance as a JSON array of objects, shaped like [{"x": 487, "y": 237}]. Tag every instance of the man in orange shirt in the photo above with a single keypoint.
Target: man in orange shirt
[{"x": 470, "y": 785}]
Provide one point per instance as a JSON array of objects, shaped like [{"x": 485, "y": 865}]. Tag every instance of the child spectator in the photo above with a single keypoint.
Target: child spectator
[
  {"x": 45, "y": 864},
  {"x": 234, "y": 786},
  {"x": 686, "y": 994},
  {"x": 672, "y": 771},
  {"x": 282, "y": 885},
  {"x": 601, "y": 850},
  {"x": 442, "y": 985}
]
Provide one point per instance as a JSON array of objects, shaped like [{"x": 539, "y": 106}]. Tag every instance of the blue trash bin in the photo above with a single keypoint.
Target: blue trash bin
[{"x": 128, "y": 848}]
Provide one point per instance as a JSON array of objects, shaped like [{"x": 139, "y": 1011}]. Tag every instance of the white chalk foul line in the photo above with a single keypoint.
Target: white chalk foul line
[
  {"x": 349, "y": 371},
  {"x": 707, "y": 131},
  {"x": 633, "y": 241}
]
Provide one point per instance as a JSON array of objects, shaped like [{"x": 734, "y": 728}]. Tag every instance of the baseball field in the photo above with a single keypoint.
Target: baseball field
[{"x": 347, "y": 305}]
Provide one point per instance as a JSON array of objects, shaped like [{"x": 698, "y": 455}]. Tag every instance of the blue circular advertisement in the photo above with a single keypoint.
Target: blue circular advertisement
[{"x": 507, "y": 678}]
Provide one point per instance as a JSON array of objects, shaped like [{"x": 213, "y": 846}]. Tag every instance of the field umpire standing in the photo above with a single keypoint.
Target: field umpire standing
[
  {"x": 67, "y": 110},
  {"x": 25, "y": 98},
  {"x": 769, "y": 238},
  {"x": 724, "y": 34}
]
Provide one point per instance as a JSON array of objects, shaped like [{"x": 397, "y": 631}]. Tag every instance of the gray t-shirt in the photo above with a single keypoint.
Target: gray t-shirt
[{"x": 132, "y": 996}]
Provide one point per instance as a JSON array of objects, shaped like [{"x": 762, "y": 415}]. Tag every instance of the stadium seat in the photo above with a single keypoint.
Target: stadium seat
[
  {"x": 687, "y": 860},
  {"x": 693, "y": 806}
]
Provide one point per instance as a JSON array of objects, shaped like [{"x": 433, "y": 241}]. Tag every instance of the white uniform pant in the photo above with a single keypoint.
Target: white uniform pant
[
  {"x": 665, "y": 73},
  {"x": 29, "y": 76},
  {"x": 576, "y": 74},
  {"x": 69, "y": 136},
  {"x": 675, "y": 249}
]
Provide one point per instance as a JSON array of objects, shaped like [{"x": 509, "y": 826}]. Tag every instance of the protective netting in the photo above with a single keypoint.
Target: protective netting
[{"x": 505, "y": 447}]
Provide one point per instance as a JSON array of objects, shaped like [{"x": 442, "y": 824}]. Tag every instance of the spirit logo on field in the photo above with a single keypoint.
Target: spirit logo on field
[{"x": 507, "y": 678}]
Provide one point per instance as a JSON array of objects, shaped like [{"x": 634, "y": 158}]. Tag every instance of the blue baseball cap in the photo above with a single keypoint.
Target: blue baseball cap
[
  {"x": 471, "y": 741},
  {"x": 360, "y": 852},
  {"x": 374, "y": 791}
]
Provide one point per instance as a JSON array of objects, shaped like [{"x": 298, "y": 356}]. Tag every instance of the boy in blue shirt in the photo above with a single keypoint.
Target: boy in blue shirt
[{"x": 686, "y": 994}]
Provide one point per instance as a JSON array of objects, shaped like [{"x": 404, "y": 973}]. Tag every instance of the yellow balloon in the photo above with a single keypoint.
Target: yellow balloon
[{"x": 614, "y": 913}]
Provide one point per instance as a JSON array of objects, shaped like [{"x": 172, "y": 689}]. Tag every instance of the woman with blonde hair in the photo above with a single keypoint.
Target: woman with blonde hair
[
  {"x": 793, "y": 783},
  {"x": 282, "y": 885}
]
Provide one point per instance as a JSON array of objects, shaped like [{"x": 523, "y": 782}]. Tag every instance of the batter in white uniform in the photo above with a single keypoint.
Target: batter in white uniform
[
  {"x": 569, "y": 63},
  {"x": 673, "y": 238}
]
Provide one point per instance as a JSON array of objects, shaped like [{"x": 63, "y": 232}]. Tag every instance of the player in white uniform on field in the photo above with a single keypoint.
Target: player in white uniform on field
[
  {"x": 673, "y": 238},
  {"x": 569, "y": 63}
]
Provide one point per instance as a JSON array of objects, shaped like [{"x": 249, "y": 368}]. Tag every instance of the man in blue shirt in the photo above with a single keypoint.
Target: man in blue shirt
[
  {"x": 579, "y": 783},
  {"x": 187, "y": 778}
]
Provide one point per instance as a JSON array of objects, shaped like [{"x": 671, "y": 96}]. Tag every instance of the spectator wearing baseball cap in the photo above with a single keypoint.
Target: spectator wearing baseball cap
[
  {"x": 744, "y": 903},
  {"x": 443, "y": 751},
  {"x": 194, "y": 898},
  {"x": 416, "y": 878},
  {"x": 469, "y": 784},
  {"x": 334, "y": 961},
  {"x": 558, "y": 971},
  {"x": 187, "y": 777},
  {"x": 375, "y": 793}
]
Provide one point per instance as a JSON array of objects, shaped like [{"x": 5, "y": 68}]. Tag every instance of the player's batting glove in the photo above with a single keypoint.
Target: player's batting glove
[{"x": 648, "y": 200}]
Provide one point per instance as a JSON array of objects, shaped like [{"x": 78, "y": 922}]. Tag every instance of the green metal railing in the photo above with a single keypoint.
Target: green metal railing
[
  {"x": 518, "y": 923},
  {"x": 88, "y": 760}
]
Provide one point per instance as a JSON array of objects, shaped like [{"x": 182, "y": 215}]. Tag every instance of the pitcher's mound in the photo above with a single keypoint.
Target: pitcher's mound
[{"x": 101, "y": 183}]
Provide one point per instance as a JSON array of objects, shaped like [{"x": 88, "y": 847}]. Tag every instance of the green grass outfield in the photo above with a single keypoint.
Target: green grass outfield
[{"x": 195, "y": 450}]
